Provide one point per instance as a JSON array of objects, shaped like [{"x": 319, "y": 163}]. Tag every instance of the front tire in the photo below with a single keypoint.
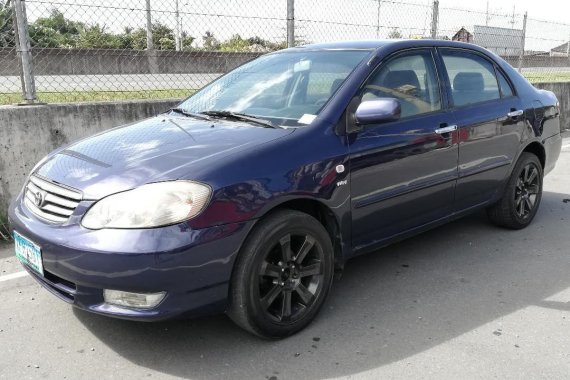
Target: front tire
[
  {"x": 522, "y": 196},
  {"x": 282, "y": 275}
]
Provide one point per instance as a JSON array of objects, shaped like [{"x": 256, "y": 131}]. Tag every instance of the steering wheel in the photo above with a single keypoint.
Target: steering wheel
[{"x": 321, "y": 102}]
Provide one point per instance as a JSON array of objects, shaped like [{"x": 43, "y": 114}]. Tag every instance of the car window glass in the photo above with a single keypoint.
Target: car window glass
[
  {"x": 411, "y": 79},
  {"x": 472, "y": 78},
  {"x": 287, "y": 87},
  {"x": 506, "y": 89}
]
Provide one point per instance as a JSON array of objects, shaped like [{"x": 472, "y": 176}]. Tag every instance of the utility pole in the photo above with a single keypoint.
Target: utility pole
[
  {"x": 149, "y": 44},
  {"x": 434, "y": 19},
  {"x": 513, "y": 19},
  {"x": 290, "y": 23},
  {"x": 378, "y": 20},
  {"x": 487, "y": 15},
  {"x": 177, "y": 39},
  {"x": 568, "y": 47},
  {"x": 521, "y": 56}
]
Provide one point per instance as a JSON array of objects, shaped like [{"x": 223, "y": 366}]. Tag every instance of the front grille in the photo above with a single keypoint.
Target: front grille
[{"x": 50, "y": 201}]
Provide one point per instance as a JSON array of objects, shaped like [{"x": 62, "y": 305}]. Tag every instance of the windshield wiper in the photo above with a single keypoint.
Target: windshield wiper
[
  {"x": 240, "y": 116},
  {"x": 190, "y": 114}
]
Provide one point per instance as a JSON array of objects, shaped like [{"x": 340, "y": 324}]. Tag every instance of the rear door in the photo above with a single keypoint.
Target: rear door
[
  {"x": 490, "y": 121},
  {"x": 403, "y": 172}
]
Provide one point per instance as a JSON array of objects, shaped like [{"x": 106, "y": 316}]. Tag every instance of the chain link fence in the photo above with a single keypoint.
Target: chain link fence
[{"x": 79, "y": 50}]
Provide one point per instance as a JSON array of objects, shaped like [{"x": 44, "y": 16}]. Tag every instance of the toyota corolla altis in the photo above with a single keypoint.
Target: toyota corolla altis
[{"x": 248, "y": 195}]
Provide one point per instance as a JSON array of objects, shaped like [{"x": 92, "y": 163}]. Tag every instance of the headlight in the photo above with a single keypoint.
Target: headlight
[{"x": 152, "y": 205}]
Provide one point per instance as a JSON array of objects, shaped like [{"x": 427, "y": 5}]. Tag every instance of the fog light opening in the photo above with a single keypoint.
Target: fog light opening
[{"x": 134, "y": 300}]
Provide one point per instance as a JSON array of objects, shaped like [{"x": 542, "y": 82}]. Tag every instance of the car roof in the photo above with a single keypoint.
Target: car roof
[{"x": 393, "y": 43}]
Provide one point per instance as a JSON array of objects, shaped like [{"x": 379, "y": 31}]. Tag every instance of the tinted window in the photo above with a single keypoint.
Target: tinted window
[
  {"x": 472, "y": 78},
  {"x": 411, "y": 79},
  {"x": 506, "y": 89}
]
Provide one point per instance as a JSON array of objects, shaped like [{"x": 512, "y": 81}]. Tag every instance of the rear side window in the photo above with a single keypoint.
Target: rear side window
[
  {"x": 472, "y": 78},
  {"x": 411, "y": 78},
  {"x": 506, "y": 89}
]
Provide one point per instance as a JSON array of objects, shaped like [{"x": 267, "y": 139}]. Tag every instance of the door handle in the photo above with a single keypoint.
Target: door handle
[
  {"x": 447, "y": 129},
  {"x": 515, "y": 113}
]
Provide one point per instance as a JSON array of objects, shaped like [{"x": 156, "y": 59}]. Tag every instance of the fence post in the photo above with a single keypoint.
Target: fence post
[
  {"x": 523, "y": 38},
  {"x": 434, "y": 19},
  {"x": 24, "y": 51},
  {"x": 290, "y": 23}
]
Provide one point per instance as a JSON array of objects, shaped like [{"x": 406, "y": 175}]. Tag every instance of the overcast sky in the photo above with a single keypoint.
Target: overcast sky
[{"x": 325, "y": 20}]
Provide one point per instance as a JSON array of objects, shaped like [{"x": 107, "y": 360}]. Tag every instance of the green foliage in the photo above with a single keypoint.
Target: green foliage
[
  {"x": 210, "y": 42},
  {"x": 254, "y": 44},
  {"x": 395, "y": 33},
  {"x": 95, "y": 37},
  {"x": 57, "y": 31},
  {"x": 7, "y": 36}
]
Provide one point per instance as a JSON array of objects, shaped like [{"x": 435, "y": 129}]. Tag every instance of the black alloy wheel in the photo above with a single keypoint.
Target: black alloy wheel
[
  {"x": 290, "y": 276},
  {"x": 282, "y": 275},
  {"x": 527, "y": 189},
  {"x": 521, "y": 198}
]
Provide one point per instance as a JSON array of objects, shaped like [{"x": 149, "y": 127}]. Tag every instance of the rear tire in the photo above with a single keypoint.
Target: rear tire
[
  {"x": 282, "y": 275},
  {"x": 522, "y": 196}
]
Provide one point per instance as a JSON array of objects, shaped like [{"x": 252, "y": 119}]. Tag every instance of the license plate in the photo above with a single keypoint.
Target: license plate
[{"x": 28, "y": 253}]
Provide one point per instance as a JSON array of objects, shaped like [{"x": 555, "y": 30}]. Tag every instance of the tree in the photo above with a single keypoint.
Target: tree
[
  {"x": 7, "y": 36},
  {"x": 210, "y": 42},
  {"x": 395, "y": 33},
  {"x": 55, "y": 31},
  {"x": 95, "y": 37},
  {"x": 186, "y": 41}
]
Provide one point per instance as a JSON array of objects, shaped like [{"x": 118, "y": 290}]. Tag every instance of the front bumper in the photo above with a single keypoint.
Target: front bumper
[{"x": 193, "y": 266}]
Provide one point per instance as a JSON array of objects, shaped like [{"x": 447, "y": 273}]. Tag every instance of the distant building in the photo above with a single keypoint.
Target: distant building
[
  {"x": 463, "y": 35},
  {"x": 502, "y": 41},
  {"x": 560, "y": 51}
]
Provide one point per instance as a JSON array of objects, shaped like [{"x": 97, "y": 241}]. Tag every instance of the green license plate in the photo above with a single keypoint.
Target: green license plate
[{"x": 28, "y": 253}]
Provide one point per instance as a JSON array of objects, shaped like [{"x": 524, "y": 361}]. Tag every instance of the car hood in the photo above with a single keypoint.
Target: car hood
[{"x": 157, "y": 149}]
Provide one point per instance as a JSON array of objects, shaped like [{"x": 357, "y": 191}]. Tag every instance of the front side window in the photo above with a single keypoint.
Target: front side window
[
  {"x": 471, "y": 76},
  {"x": 284, "y": 88},
  {"x": 411, "y": 79}
]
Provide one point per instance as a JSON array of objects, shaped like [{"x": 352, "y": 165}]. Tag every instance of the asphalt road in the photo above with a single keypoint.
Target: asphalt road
[
  {"x": 60, "y": 83},
  {"x": 466, "y": 300}
]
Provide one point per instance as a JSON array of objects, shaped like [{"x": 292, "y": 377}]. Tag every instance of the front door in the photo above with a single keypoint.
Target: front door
[{"x": 403, "y": 173}]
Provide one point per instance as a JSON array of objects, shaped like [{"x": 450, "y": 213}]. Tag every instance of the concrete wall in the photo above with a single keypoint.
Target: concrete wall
[
  {"x": 110, "y": 61},
  {"x": 27, "y": 133},
  {"x": 538, "y": 61},
  {"x": 115, "y": 61}
]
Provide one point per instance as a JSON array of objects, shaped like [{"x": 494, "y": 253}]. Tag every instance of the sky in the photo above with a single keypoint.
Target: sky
[{"x": 324, "y": 20}]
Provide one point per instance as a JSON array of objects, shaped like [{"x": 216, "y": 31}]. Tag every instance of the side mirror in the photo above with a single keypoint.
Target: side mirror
[{"x": 376, "y": 111}]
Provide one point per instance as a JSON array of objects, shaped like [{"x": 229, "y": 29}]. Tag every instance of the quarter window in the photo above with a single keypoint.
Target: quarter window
[
  {"x": 472, "y": 78},
  {"x": 410, "y": 78},
  {"x": 506, "y": 89}
]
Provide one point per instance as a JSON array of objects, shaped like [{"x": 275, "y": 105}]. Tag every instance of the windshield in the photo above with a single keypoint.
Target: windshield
[{"x": 288, "y": 88}]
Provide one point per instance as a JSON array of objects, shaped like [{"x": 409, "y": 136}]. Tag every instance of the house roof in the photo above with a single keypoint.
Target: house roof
[{"x": 561, "y": 49}]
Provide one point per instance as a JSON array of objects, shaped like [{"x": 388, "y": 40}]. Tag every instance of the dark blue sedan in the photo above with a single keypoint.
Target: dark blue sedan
[{"x": 249, "y": 195}]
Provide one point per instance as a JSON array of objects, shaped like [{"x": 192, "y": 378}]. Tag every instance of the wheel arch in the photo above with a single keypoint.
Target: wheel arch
[
  {"x": 323, "y": 214},
  {"x": 538, "y": 150}
]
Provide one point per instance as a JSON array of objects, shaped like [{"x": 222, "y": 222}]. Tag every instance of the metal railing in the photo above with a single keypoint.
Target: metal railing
[{"x": 73, "y": 50}]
